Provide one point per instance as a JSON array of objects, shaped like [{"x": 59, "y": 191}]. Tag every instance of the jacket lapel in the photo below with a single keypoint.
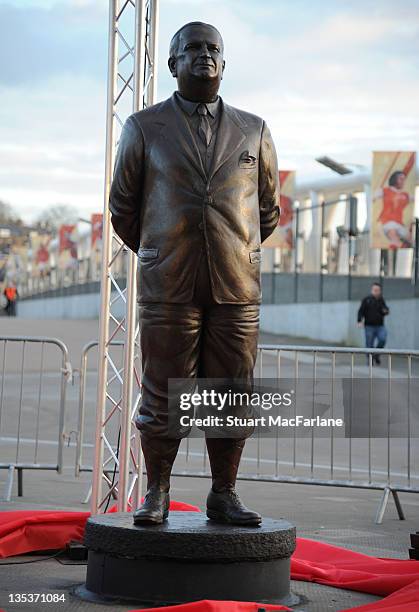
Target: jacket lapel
[
  {"x": 230, "y": 136},
  {"x": 177, "y": 129}
]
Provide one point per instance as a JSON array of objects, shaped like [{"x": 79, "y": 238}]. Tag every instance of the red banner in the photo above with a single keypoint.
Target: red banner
[
  {"x": 67, "y": 240},
  {"x": 97, "y": 229},
  {"x": 283, "y": 236},
  {"x": 393, "y": 199}
]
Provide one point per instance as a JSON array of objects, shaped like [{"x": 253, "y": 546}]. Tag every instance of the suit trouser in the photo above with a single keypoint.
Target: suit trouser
[{"x": 200, "y": 339}]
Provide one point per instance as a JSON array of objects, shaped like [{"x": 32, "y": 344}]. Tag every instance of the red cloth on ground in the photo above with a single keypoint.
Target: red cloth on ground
[
  {"x": 25, "y": 531},
  {"x": 34, "y": 530},
  {"x": 404, "y": 600},
  {"x": 208, "y": 605},
  {"x": 346, "y": 569}
]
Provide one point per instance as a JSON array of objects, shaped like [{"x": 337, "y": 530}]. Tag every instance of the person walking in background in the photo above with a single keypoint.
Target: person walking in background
[
  {"x": 371, "y": 315},
  {"x": 10, "y": 293}
]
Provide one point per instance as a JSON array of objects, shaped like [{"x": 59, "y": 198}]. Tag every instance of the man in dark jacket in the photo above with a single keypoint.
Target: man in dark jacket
[
  {"x": 371, "y": 314},
  {"x": 194, "y": 195}
]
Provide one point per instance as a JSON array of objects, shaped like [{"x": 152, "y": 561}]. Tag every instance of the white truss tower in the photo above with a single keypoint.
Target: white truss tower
[{"x": 132, "y": 62}]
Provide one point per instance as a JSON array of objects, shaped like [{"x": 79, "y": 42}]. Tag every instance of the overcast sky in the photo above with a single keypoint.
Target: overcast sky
[{"x": 335, "y": 78}]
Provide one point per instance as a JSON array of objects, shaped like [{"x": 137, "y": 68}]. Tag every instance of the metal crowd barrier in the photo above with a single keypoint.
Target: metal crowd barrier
[
  {"x": 80, "y": 466},
  {"x": 27, "y": 400},
  {"x": 387, "y": 463}
]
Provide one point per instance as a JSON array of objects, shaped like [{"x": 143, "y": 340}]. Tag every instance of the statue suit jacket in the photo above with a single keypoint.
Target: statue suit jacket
[{"x": 167, "y": 209}]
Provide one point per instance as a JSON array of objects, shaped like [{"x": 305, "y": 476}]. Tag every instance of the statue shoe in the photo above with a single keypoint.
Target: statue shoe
[
  {"x": 226, "y": 507},
  {"x": 155, "y": 508}
]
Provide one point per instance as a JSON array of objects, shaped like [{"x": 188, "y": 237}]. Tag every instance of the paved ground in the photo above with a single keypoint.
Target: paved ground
[{"x": 336, "y": 515}]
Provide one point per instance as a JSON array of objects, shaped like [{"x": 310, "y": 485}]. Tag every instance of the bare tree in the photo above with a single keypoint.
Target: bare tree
[
  {"x": 54, "y": 216},
  {"x": 7, "y": 214}
]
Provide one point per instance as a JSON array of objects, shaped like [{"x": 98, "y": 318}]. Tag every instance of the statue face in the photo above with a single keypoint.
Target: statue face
[{"x": 199, "y": 56}]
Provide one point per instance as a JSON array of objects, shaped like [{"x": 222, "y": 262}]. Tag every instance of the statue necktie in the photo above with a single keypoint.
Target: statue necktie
[{"x": 204, "y": 128}]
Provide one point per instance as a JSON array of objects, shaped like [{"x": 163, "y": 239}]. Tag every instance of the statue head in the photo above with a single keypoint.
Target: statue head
[{"x": 196, "y": 61}]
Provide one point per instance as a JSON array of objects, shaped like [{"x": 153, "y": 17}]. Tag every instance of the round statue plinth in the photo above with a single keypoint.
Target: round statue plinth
[{"x": 188, "y": 558}]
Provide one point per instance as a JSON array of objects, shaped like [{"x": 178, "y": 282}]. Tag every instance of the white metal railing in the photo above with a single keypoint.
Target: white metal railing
[
  {"x": 26, "y": 363},
  {"x": 358, "y": 459}
]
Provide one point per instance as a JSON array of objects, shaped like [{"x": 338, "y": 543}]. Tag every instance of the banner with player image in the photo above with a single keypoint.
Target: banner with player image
[
  {"x": 40, "y": 253},
  {"x": 97, "y": 230},
  {"x": 96, "y": 243},
  {"x": 283, "y": 235},
  {"x": 393, "y": 199},
  {"x": 67, "y": 246},
  {"x": 96, "y": 236}
]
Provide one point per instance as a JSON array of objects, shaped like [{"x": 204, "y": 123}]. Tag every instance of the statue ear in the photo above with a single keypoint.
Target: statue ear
[{"x": 172, "y": 66}]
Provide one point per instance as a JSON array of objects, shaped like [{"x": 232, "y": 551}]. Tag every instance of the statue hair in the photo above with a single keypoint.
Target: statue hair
[{"x": 174, "y": 43}]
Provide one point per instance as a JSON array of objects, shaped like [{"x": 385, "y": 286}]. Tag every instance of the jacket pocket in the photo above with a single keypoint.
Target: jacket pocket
[
  {"x": 247, "y": 160},
  {"x": 255, "y": 256},
  {"x": 144, "y": 253}
]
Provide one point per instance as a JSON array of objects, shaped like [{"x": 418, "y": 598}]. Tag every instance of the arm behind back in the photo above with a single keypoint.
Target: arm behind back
[
  {"x": 125, "y": 194},
  {"x": 268, "y": 184}
]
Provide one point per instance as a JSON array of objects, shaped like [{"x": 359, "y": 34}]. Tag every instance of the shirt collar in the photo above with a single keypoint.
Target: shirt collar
[{"x": 190, "y": 107}]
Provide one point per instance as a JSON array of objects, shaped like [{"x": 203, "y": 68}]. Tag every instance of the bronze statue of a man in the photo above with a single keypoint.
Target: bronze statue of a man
[{"x": 194, "y": 195}]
